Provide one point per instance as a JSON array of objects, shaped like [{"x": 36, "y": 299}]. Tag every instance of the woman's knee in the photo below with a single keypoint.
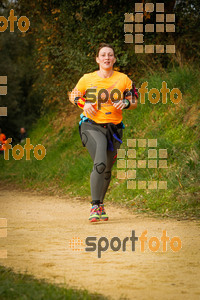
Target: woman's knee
[
  {"x": 107, "y": 175},
  {"x": 100, "y": 167},
  {"x": 84, "y": 138}
]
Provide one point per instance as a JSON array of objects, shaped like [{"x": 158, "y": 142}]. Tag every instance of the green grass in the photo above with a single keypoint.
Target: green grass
[
  {"x": 16, "y": 286},
  {"x": 67, "y": 165}
]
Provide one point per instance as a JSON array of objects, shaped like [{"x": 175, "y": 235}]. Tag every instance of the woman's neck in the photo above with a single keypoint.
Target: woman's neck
[{"x": 105, "y": 73}]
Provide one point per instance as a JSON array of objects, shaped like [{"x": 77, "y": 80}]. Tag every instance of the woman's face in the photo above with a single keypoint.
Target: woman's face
[{"x": 106, "y": 58}]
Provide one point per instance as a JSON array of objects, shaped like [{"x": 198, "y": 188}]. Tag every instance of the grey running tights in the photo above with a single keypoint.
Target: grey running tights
[{"x": 94, "y": 139}]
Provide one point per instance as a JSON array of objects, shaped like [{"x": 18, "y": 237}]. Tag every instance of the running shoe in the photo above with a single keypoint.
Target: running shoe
[
  {"x": 95, "y": 213},
  {"x": 103, "y": 216}
]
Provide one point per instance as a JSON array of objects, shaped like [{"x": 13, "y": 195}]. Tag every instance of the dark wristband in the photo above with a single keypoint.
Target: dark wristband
[
  {"x": 127, "y": 102},
  {"x": 76, "y": 100}
]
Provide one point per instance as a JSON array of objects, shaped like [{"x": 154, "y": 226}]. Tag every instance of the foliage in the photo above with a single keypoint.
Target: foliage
[
  {"x": 17, "y": 63},
  {"x": 67, "y": 34}
]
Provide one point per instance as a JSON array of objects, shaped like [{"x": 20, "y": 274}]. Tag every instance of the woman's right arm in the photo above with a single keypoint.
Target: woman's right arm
[
  {"x": 73, "y": 94},
  {"x": 88, "y": 107},
  {"x": 79, "y": 90}
]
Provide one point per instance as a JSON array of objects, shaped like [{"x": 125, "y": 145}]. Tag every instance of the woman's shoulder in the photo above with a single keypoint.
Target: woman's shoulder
[
  {"x": 120, "y": 74},
  {"x": 88, "y": 75}
]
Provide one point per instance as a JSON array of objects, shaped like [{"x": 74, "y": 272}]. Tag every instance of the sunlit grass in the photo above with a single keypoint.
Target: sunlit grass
[{"x": 18, "y": 286}]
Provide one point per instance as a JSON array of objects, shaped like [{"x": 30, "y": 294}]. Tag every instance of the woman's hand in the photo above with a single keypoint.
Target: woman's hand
[
  {"x": 89, "y": 109},
  {"x": 119, "y": 105},
  {"x": 73, "y": 94}
]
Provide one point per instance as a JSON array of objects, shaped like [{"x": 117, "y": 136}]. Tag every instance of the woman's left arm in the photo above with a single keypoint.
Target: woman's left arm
[
  {"x": 122, "y": 104},
  {"x": 130, "y": 94},
  {"x": 133, "y": 102}
]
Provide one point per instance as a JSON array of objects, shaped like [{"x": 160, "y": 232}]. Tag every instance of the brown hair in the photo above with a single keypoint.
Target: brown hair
[{"x": 102, "y": 45}]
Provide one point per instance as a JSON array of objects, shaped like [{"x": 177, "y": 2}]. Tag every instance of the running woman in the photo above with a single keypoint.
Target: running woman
[{"x": 102, "y": 95}]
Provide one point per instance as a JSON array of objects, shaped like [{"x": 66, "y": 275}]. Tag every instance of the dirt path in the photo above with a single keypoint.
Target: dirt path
[{"x": 40, "y": 228}]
